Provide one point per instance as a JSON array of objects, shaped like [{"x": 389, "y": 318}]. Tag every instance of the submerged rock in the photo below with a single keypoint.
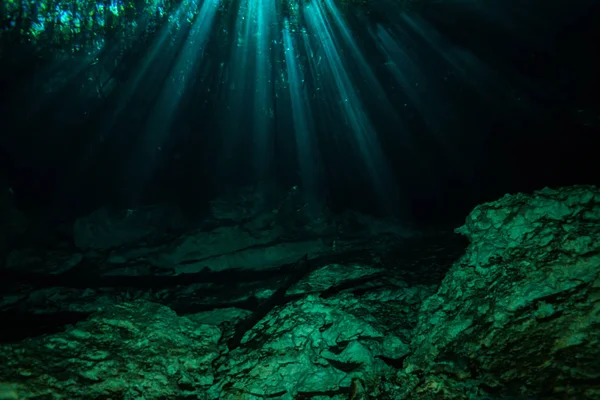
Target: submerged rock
[
  {"x": 321, "y": 347},
  {"x": 521, "y": 307},
  {"x": 127, "y": 351},
  {"x": 517, "y": 316}
]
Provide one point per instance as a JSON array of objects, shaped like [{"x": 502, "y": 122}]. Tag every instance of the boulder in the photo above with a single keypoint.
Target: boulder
[
  {"x": 520, "y": 308},
  {"x": 131, "y": 350}
]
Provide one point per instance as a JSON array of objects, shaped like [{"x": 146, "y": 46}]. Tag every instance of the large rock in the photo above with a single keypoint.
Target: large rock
[
  {"x": 333, "y": 348},
  {"x": 131, "y": 350},
  {"x": 310, "y": 346},
  {"x": 516, "y": 317},
  {"x": 521, "y": 308}
]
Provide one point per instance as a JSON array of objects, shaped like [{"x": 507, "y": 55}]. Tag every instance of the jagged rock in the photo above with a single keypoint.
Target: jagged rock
[
  {"x": 130, "y": 350},
  {"x": 331, "y": 347},
  {"x": 518, "y": 315},
  {"x": 52, "y": 300},
  {"x": 520, "y": 309},
  {"x": 225, "y": 318},
  {"x": 104, "y": 229},
  {"x": 321, "y": 347},
  {"x": 333, "y": 275}
]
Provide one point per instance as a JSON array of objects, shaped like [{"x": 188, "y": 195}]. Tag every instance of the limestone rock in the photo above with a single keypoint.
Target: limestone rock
[
  {"x": 321, "y": 347},
  {"x": 131, "y": 350},
  {"x": 517, "y": 316},
  {"x": 522, "y": 304}
]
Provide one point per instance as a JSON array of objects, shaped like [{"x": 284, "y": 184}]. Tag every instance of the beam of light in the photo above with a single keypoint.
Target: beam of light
[
  {"x": 134, "y": 87},
  {"x": 248, "y": 119},
  {"x": 421, "y": 82},
  {"x": 305, "y": 142},
  {"x": 313, "y": 61},
  {"x": 236, "y": 80},
  {"x": 67, "y": 71},
  {"x": 181, "y": 75},
  {"x": 436, "y": 111},
  {"x": 263, "y": 102},
  {"x": 363, "y": 132},
  {"x": 321, "y": 89},
  {"x": 183, "y": 72},
  {"x": 159, "y": 47},
  {"x": 363, "y": 65},
  {"x": 235, "y": 76},
  {"x": 431, "y": 99},
  {"x": 473, "y": 71}
]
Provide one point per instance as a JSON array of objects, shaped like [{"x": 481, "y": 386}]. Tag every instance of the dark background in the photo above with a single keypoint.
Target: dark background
[{"x": 541, "y": 130}]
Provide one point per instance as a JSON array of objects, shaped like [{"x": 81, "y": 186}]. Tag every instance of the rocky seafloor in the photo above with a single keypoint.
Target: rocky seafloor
[{"x": 273, "y": 301}]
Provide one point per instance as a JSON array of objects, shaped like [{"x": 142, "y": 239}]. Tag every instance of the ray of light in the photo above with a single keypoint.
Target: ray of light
[
  {"x": 472, "y": 70},
  {"x": 313, "y": 61},
  {"x": 181, "y": 75},
  {"x": 263, "y": 102},
  {"x": 404, "y": 67},
  {"x": 303, "y": 129},
  {"x": 363, "y": 132},
  {"x": 431, "y": 100},
  {"x": 237, "y": 85},
  {"x": 155, "y": 56},
  {"x": 249, "y": 116},
  {"x": 183, "y": 71},
  {"x": 317, "y": 71},
  {"x": 363, "y": 66},
  {"x": 146, "y": 67},
  {"x": 410, "y": 46}
]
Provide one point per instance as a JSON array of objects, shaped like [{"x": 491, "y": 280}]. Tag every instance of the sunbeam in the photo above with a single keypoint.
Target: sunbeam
[
  {"x": 347, "y": 99},
  {"x": 263, "y": 99},
  {"x": 183, "y": 72},
  {"x": 364, "y": 67},
  {"x": 293, "y": 199},
  {"x": 303, "y": 129},
  {"x": 249, "y": 114},
  {"x": 400, "y": 100},
  {"x": 438, "y": 112}
]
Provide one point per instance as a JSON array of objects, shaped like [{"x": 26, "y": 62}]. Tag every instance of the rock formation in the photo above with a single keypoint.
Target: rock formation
[{"x": 370, "y": 313}]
